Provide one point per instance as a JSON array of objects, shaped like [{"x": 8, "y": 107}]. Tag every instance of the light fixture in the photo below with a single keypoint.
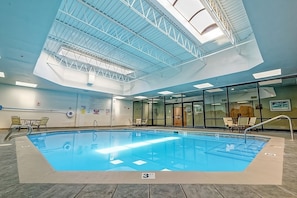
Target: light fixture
[
  {"x": 203, "y": 85},
  {"x": 91, "y": 60},
  {"x": 266, "y": 74},
  {"x": 140, "y": 97},
  {"x": 214, "y": 90},
  {"x": 216, "y": 104},
  {"x": 165, "y": 92},
  {"x": 243, "y": 102},
  {"x": 25, "y": 84},
  {"x": 270, "y": 82},
  {"x": 119, "y": 97},
  {"x": 2, "y": 75}
]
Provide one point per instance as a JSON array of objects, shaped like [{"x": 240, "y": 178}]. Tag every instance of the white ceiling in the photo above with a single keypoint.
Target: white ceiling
[{"x": 32, "y": 33}]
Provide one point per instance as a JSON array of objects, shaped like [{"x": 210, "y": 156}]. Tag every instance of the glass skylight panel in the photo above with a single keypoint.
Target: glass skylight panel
[
  {"x": 214, "y": 33},
  {"x": 201, "y": 21},
  {"x": 188, "y": 8}
]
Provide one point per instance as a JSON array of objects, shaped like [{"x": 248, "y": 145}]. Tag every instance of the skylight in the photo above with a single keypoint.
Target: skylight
[
  {"x": 202, "y": 24},
  {"x": 266, "y": 74},
  {"x": 96, "y": 62}
]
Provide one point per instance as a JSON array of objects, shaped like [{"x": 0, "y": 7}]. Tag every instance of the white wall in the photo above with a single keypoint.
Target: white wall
[{"x": 36, "y": 103}]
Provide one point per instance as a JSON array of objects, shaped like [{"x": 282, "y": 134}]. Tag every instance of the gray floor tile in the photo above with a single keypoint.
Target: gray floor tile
[
  {"x": 236, "y": 191},
  {"x": 271, "y": 191},
  {"x": 166, "y": 190},
  {"x": 62, "y": 191},
  {"x": 132, "y": 191},
  {"x": 201, "y": 191},
  {"x": 97, "y": 190}
]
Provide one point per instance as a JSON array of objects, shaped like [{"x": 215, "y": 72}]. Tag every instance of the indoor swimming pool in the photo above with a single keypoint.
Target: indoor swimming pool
[{"x": 147, "y": 150}]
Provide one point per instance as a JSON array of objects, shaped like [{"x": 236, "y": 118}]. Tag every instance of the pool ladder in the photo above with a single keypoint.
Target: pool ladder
[
  {"x": 10, "y": 131},
  {"x": 271, "y": 119}
]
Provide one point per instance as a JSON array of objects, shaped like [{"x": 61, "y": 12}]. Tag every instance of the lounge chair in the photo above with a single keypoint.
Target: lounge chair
[
  {"x": 144, "y": 122},
  {"x": 16, "y": 123},
  {"x": 228, "y": 121},
  {"x": 243, "y": 122},
  {"x": 42, "y": 122},
  {"x": 138, "y": 122}
]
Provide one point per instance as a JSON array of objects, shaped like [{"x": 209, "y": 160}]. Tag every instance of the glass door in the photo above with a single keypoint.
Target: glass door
[
  {"x": 188, "y": 114},
  {"x": 177, "y": 115},
  {"x": 198, "y": 114},
  {"x": 169, "y": 115}
]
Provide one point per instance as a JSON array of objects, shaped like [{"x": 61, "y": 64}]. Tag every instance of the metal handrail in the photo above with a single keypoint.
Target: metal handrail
[
  {"x": 271, "y": 119},
  {"x": 30, "y": 129}
]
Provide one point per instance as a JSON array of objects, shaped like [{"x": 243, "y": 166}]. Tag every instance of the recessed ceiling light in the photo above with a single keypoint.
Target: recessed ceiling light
[
  {"x": 140, "y": 97},
  {"x": 270, "y": 82},
  {"x": 216, "y": 104},
  {"x": 119, "y": 97},
  {"x": 203, "y": 85},
  {"x": 165, "y": 92},
  {"x": 243, "y": 102},
  {"x": 266, "y": 74},
  {"x": 25, "y": 84},
  {"x": 2, "y": 75},
  {"x": 214, "y": 90}
]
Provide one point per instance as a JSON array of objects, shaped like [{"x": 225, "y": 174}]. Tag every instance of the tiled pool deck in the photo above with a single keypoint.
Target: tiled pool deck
[{"x": 23, "y": 180}]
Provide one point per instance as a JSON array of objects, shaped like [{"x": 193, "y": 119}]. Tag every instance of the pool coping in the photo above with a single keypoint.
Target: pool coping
[{"x": 266, "y": 168}]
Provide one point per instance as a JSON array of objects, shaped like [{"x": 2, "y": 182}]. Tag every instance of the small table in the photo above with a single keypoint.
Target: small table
[{"x": 29, "y": 121}]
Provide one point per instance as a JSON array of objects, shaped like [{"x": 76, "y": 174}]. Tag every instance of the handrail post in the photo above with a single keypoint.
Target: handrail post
[{"x": 271, "y": 119}]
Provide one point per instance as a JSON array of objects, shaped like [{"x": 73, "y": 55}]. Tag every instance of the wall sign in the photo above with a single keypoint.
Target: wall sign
[{"x": 280, "y": 105}]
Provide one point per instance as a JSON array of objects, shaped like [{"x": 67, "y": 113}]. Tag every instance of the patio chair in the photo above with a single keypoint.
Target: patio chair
[
  {"x": 243, "y": 122},
  {"x": 138, "y": 122},
  {"x": 252, "y": 122},
  {"x": 228, "y": 121},
  {"x": 15, "y": 123},
  {"x": 42, "y": 122},
  {"x": 144, "y": 122}
]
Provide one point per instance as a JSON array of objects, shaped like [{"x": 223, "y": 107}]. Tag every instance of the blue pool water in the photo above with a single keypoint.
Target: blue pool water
[{"x": 125, "y": 150}]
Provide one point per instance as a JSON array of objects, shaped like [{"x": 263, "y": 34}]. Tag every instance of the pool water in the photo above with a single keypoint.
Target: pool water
[{"x": 133, "y": 150}]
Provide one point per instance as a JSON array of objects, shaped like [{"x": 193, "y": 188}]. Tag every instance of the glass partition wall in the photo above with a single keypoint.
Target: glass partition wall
[{"x": 206, "y": 108}]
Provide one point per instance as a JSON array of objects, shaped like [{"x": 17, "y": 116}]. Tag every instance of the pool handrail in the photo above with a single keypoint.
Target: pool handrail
[{"x": 269, "y": 120}]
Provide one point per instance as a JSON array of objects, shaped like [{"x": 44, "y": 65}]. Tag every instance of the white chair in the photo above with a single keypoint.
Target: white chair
[
  {"x": 252, "y": 121},
  {"x": 42, "y": 122},
  {"x": 242, "y": 123},
  {"x": 16, "y": 123},
  {"x": 138, "y": 122},
  {"x": 144, "y": 122},
  {"x": 228, "y": 121}
]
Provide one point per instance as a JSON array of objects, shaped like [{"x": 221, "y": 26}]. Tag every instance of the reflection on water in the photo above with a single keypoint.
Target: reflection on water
[{"x": 145, "y": 151}]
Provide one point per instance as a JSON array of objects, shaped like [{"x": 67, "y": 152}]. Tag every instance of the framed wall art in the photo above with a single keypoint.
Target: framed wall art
[{"x": 280, "y": 105}]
